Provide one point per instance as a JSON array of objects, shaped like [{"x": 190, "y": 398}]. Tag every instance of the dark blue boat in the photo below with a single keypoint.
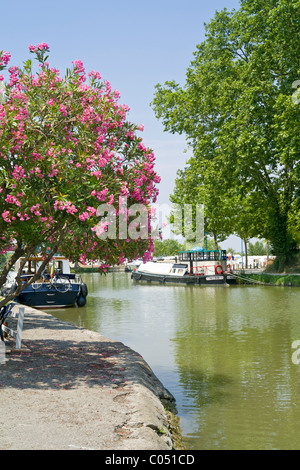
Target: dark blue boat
[{"x": 57, "y": 287}]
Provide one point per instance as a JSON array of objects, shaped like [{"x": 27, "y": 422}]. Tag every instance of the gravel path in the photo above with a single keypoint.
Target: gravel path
[{"x": 70, "y": 388}]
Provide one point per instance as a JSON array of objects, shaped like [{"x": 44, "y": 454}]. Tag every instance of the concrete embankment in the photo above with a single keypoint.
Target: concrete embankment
[{"x": 71, "y": 388}]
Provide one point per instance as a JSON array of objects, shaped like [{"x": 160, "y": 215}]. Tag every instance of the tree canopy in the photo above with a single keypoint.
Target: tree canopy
[
  {"x": 167, "y": 247},
  {"x": 257, "y": 249},
  {"x": 66, "y": 148},
  {"x": 240, "y": 114}
]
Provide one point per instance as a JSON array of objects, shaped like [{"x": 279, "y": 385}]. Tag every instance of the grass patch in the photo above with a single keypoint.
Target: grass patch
[{"x": 287, "y": 280}]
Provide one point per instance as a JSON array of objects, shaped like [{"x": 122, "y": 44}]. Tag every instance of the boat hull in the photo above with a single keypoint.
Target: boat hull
[
  {"x": 48, "y": 297},
  {"x": 222, "y": 279}
]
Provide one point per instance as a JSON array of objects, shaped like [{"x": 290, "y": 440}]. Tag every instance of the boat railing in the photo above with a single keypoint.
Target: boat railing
[
  {"x": 202, "y": 270},
  {"x": 194, "y": 270},
  {"x": 48, "y": 278}
]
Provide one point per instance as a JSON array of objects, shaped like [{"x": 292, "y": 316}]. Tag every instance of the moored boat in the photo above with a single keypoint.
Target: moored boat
[
  {"x": 196, "y": 266},
  {"x": 56, "y": 288},
  {"x": 131, "y": 266}
]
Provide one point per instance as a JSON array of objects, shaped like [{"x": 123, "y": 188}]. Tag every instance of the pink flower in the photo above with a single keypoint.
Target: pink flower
[
  {"x": 94, "y": 74},
  {"x": 6, "y": 215},
  {"x": 40, "y": 47},
  {"x": 92, "y": 210},
  {"x": 18, "y": 172},
  {"x": 82, "y": 259},
  {"x": 78, "y": 66},
  {"x": 5, "y": 58},
  {"x": 68, "y": 206},
  {"x": 84, "y": 216},
  {"x": 97, "y": 174},
  {"x": 100, "y": 228},
  {"x": 12, "y": 200},
  {"x": 101, "y": 195},
  {"x": 35, "y": 209},
  {"x": 14, "y": 73},
  {"x": 63, "y": 110},
  {"x": 53, "y": 173},
  {"x": 111, "y": 199}
]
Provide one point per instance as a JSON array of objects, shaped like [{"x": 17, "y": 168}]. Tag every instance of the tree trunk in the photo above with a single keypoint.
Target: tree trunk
[
  {"x": 282, "y": 243},
  {"x": 19, "y": 251},
  {"x": 246, "y": 251},
  {"x": 216, "y": 241}
]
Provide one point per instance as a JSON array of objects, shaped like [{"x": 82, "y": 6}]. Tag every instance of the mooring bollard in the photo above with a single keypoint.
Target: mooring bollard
[
  {"x": 20, "y": 327},
  {"x": 2, "y": 353}
]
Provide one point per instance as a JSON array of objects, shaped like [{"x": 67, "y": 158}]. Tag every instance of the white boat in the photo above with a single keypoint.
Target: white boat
[
  {"x": 133, "y": 265},
  {"x": 196, "y": 266}
]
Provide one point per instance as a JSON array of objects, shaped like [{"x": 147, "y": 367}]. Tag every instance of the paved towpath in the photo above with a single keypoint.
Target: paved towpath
[{"x": 70, "y": 388}]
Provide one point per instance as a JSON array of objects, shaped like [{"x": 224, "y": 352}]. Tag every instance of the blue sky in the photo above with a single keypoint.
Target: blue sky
[{"x": 133, "y": 44}]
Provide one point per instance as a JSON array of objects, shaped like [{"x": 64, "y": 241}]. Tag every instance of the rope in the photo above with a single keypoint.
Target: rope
[{"x": 253, "y": 280}]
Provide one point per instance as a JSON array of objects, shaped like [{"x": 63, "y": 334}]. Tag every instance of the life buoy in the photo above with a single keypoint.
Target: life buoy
[{"x": 218, "y": 269}]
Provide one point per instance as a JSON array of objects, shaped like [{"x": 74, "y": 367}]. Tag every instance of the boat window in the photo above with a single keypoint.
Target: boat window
[
  {"x": 30, "y": 267},
  {"x": 59, "y": 267}
]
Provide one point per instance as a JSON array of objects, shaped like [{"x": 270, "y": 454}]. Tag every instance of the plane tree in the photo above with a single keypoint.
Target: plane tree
[{"x": 240, "y": 115}]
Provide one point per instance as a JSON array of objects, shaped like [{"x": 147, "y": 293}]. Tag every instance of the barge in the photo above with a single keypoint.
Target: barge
[{"x": 197, "y": 266}]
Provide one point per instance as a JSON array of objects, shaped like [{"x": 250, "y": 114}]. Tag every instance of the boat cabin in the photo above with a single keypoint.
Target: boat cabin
[
  {"x": 204, "y": 262},
  {"x": 179, "y": 269},
  {"x": 163, "y": 269},
  {"x": 59, "y": 265}
]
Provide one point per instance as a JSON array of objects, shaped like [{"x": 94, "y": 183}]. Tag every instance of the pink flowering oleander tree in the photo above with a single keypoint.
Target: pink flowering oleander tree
[{"x": 66, "y": 149}]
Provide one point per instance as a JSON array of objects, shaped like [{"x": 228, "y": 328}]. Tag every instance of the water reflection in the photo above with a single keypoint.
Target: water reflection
[
  {"x": 234, "y": 361},
  {"x": 224, "y": 353}
]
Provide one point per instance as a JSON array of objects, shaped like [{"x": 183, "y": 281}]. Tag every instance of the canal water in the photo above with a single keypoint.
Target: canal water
[{"x": 225, "y": 353}]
